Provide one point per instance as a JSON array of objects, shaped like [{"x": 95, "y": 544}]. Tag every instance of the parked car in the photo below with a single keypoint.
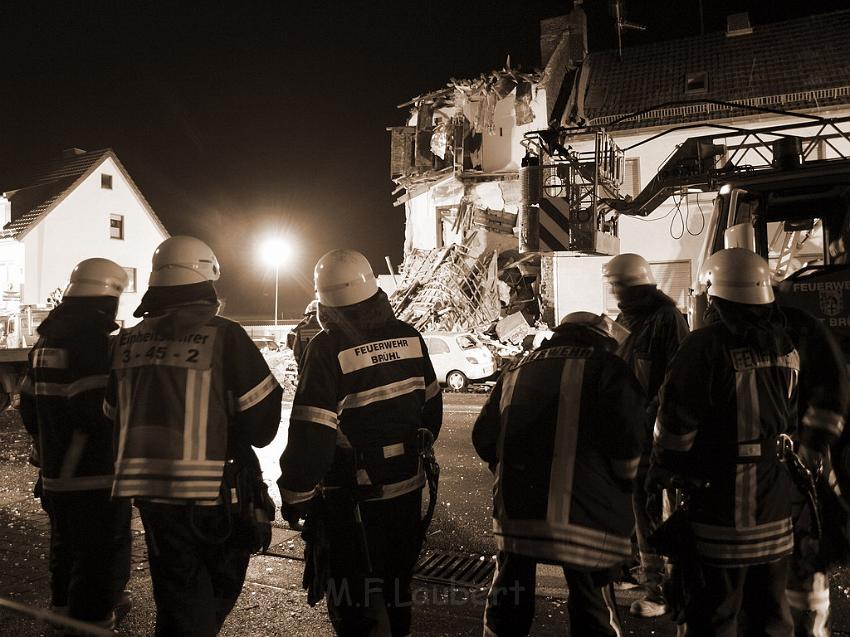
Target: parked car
[
  {"x": 458, "y": 358},
  {"x": 265, "y": 343}
]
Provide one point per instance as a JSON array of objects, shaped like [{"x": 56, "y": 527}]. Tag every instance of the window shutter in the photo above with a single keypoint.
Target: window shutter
[{"x": 674, "y": 279}]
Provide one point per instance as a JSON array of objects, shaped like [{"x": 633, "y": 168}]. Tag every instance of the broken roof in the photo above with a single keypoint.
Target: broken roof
[
  {"x": 53, "y": 182},
  {"x": 796, "y": 64},
  {"x": 501, "y": 80}
]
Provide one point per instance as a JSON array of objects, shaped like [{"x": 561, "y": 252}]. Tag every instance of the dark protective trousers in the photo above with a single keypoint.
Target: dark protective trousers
[
  {"x": 363, "y": 601},
  {"x": 198, "y": 558},
  {"x": 510, "y": 602},
  {"x": 807, "y": 589},
  {"x": 89, "y": 551},
  {"x": 652, "y": 565},
  {"x": 758, "y": 592}
]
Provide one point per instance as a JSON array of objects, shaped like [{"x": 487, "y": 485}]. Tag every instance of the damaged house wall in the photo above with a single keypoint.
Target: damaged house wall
[{"x": 461, "y": 203}]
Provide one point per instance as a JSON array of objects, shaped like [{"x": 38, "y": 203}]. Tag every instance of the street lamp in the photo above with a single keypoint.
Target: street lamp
[{"x": 277, "y": 251}]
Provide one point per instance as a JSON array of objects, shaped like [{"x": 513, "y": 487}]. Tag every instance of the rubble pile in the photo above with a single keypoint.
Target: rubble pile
[{"x": 448, "y": 289}]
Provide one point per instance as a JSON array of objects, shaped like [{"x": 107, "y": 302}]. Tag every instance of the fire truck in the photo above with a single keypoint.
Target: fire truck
[{"x": 783, "y": 191}]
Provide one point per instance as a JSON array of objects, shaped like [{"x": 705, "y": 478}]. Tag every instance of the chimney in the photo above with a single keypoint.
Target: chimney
[
  {"x": 552, "y": 30},
  {"x": 72, "y": 152},
  {"x": 738, "y": 24},
  {"x": 578, "y": 32}
]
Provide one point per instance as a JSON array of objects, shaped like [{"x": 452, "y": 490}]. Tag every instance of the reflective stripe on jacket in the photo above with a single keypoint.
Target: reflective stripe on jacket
[
  {"x": 60, "y": 406},
  {"x": 563, "y": 432},
  {"x": 722, "y": 407},
  {"x": 173, "y": 400},
  {"x": 362, "y": 395}
]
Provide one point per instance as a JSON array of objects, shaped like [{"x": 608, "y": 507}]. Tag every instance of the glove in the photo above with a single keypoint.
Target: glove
[{"x": 294, "y": 513}]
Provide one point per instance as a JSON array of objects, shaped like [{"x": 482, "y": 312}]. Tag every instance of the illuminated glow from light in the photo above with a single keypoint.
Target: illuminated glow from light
[
  {"x": 725, "y": 189},
  {"x": 278, "y": 251}
]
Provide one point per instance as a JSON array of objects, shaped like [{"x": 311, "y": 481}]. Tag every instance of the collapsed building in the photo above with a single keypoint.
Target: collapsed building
[
  {"x": 456, "y": 162},
  {"x": 513, "y": 183}
]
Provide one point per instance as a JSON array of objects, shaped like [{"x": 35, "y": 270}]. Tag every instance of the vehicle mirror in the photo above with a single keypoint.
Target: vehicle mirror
[{"x": 742, "y": 235}]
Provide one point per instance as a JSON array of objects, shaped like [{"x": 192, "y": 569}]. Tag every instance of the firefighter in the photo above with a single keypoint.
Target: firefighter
[
  {"x": 657, "y": 327},
  {"x": 189, "y": 393},
  {"x": 562, "y": 432},
  {"x": 365, "y": 389},
  {"x": 823, "y": 401},
  {"x": 61, "y": 408},
  {"x": 728, "y": 403},
  {"x": 303, "y": 333}
]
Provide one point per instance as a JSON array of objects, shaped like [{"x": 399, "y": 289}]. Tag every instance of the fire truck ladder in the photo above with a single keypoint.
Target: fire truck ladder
[
  {"x": 577, "y": 183},
  {"x": 788, "y": 245},
  {"x": 816, "y": 149}
]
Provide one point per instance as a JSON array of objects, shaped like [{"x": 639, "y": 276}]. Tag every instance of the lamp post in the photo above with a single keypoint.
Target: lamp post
[
  {"x": 276, "y": 271},
  {"x": 276, "y": 251}
]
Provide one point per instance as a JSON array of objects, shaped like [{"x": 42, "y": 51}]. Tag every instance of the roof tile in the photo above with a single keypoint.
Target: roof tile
[
  {"x": 777, "y": 59},
  {"x": 47, "y": 185}
]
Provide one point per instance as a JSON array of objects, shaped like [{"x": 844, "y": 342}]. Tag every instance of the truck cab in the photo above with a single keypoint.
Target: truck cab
[{"x": 802, "y": 228}]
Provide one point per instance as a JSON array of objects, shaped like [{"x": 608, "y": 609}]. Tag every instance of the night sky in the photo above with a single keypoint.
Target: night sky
[{"x": 239, "y": 120}]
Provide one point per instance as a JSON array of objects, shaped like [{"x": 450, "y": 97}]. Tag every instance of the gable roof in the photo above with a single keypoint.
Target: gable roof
[
  {"x": 796, "y": 64},
  {"x": 55, "y": 181}
]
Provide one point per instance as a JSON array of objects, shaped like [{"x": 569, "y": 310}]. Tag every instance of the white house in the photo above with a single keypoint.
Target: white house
[
  {"x": 796, "y": 65},
  {"x": 82, "y": 205}
]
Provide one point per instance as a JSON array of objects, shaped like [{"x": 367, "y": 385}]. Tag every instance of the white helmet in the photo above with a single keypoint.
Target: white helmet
[
  {"x": 738, "y": 275},
  {"x": 344, "y": 277},
  {"x": 183, "y": 260},
  {"x": 628, "y": 269},
  {"x": 599, "y": 323},
  {"x": 97, "y": 277},
  {"x": 312, "y": 307}
]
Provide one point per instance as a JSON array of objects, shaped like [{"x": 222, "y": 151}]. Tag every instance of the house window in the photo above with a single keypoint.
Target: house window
[
  {"x": 131, "y": 276},
  {"x": 673, "y": 278},
  {"x": 116, "y": 226},
  {"x": 631, "y": 178},
  {"x": 105, "y": 181},
  {"x": 696, "y": 83}
]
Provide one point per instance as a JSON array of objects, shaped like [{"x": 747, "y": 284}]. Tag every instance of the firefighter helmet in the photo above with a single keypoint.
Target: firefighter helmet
[
  {"x": 97, "y": 277},
  {"x": 598, "y": 323},
  {"x": 312, "y": 307},
  {"x": 182, "y": 260},
  {"x": 738, "y": 275},
  {"x": 344, "y": 277},
  {"x": 628, "y": 269}
]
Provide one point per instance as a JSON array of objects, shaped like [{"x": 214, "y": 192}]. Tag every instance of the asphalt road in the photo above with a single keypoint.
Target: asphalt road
[{"x": 463, "y": 518}]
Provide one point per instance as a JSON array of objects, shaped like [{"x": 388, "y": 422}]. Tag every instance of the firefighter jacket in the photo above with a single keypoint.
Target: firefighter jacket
[
  {"x": 563, "y": 433},
  {"x": 182, "y": 381},
  {"x": 62, "y": 396},
  {"x": 824, "y": 391},
  {"x": 657, "y": 328},
  {"x": 823, "y": 400},
  {"x": 365, "y": 388},
  {"x": 302, "y": 334},
  {"x": 727, "y": 398}
]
